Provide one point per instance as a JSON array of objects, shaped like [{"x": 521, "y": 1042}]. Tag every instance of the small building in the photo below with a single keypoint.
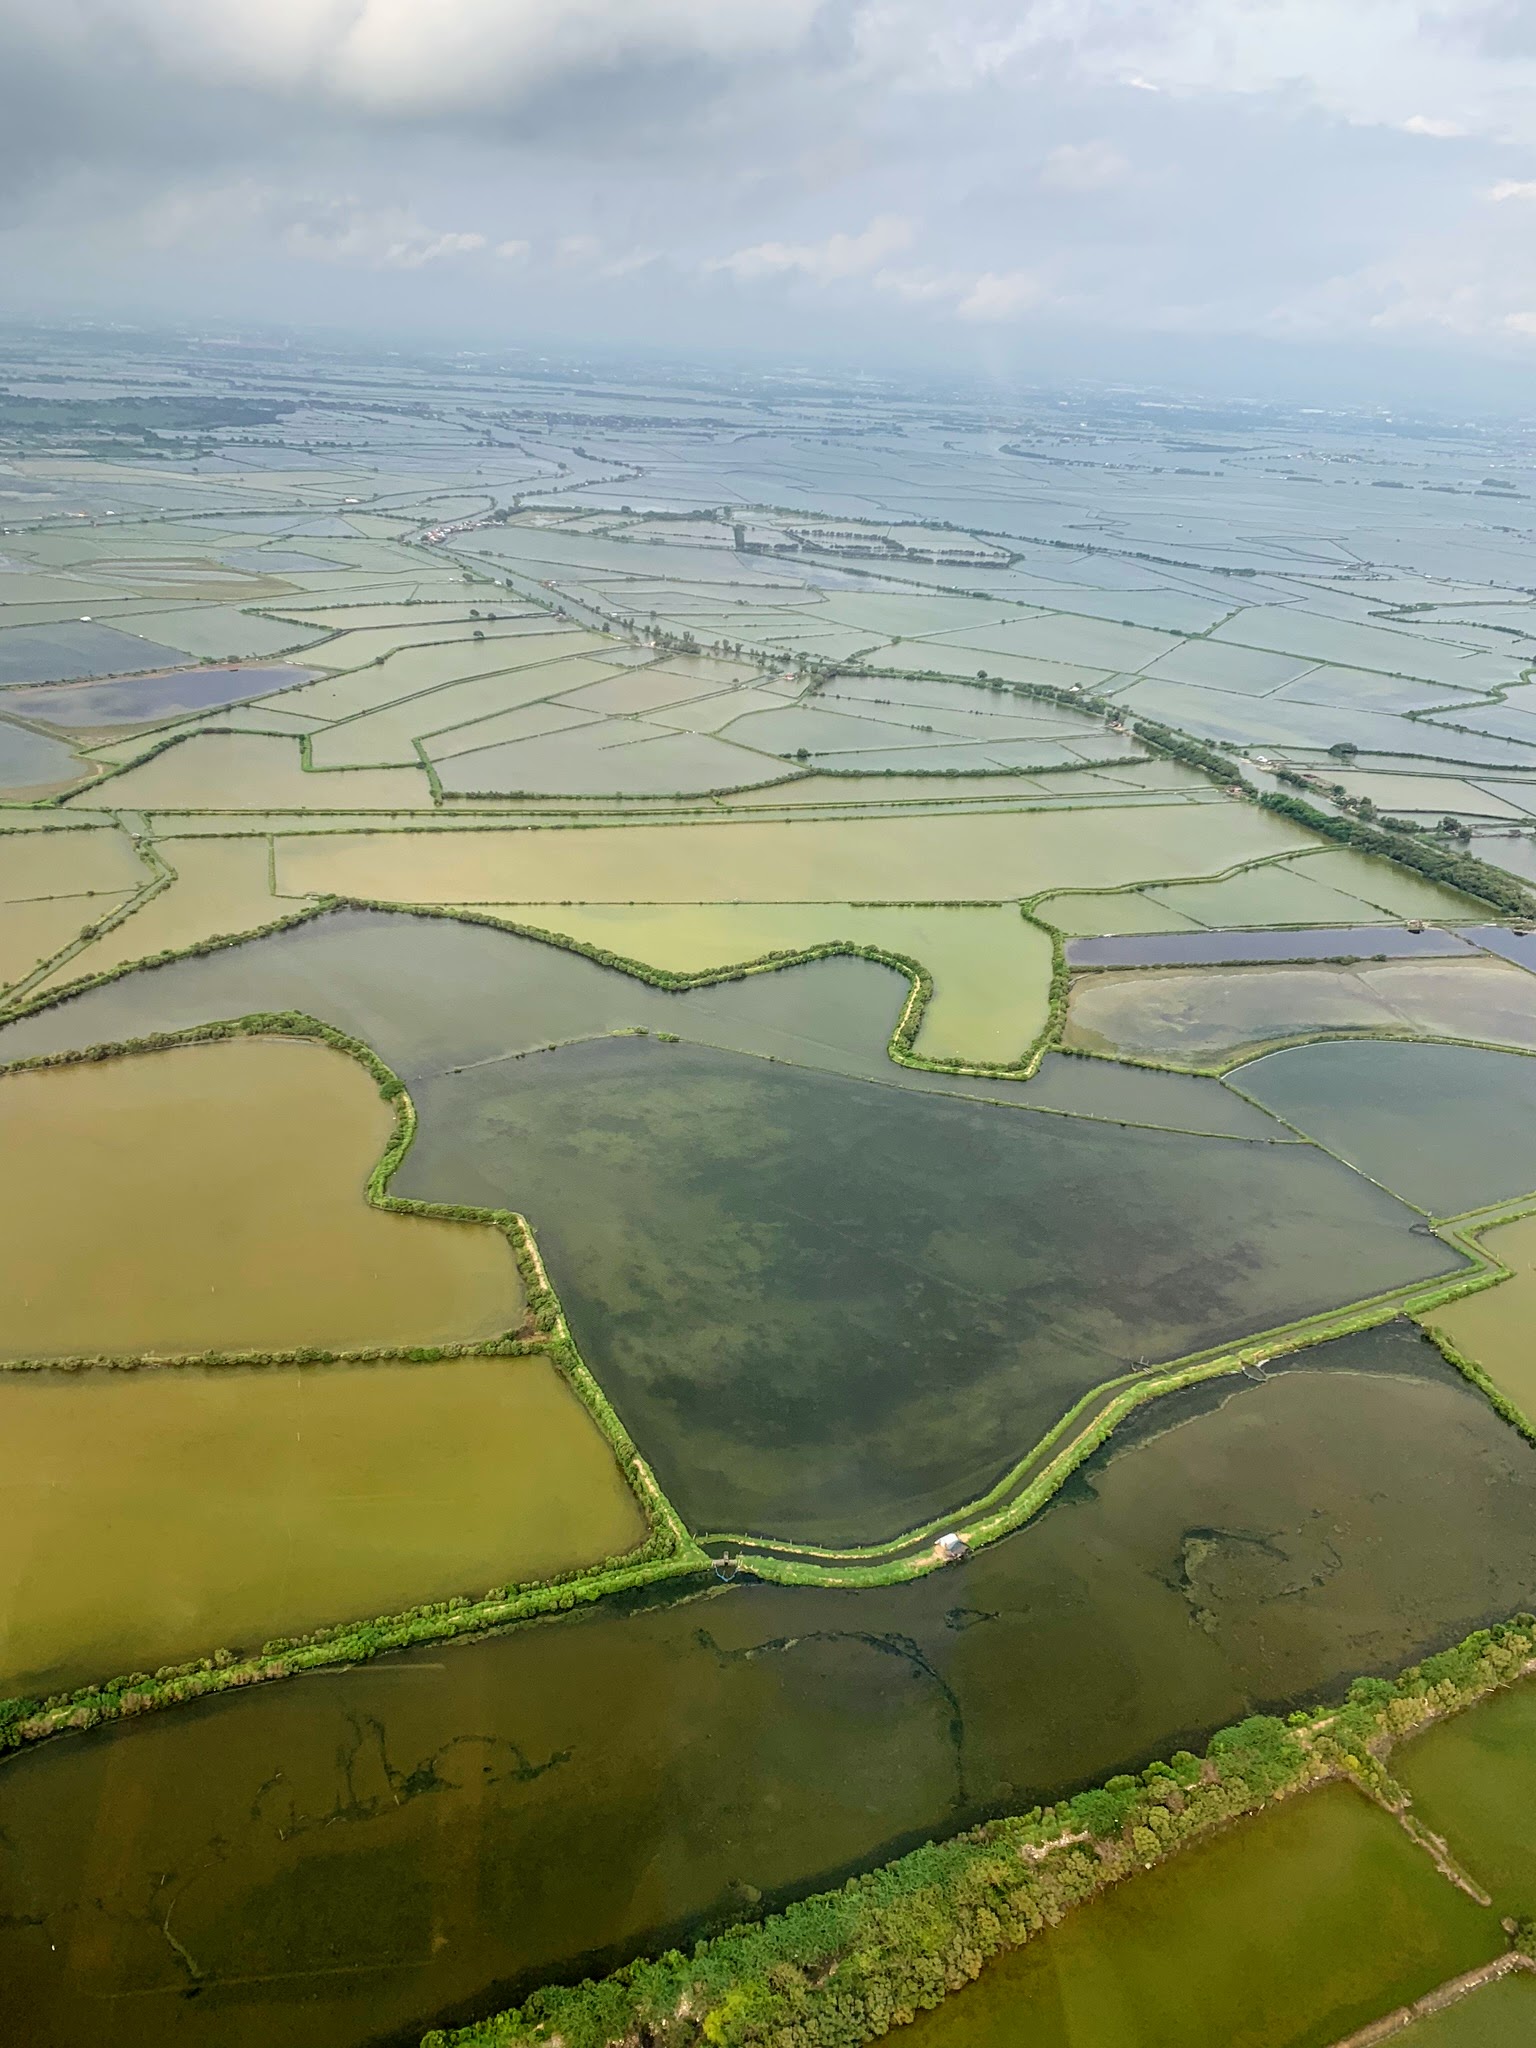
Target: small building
[{"x": 951, "y": 1549}]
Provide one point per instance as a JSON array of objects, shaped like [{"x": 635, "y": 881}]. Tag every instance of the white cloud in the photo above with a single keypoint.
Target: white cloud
[
  {"x": 1429, "y": 124},
  {"x": 323, "y": 229},
  {"x": 1511, "y": 188},
  {"x": 1001, "y": 295},
  {"x": 514, "y": 251},
  {"x": 1083, "y": 167},
  {"x": 391, "y": 239},
  {"x": 839, "y": 256},
  {"x": 421, "y": 56}
]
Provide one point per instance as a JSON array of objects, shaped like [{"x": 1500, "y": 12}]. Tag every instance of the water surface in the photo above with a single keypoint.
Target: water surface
[
  {"x": 343, "y": 1858},
  {"x": 153, "y": 696},
  {"x": 58, "y": 653},
  {"x": 1287, "y": 1932},
  {"x": 161, "y": 1515},
  {"x": 211, "y": 1198},
  {"x": 1473, "y": 1779},
  {"x": 430, "y": 993},
  {"x": 831, "y": 1311},
  {"x": 1216, "y": 949},
  {"x": 1447, "y": 1127}
]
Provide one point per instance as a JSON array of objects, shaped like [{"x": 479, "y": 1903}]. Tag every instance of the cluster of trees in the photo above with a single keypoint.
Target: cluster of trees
[
  {"x": 1194, "y": 753},
  {"x": 843, "y": 1968},
  {"x": 1394, "y": 839},
  {"x": 1436, "y": 863}
]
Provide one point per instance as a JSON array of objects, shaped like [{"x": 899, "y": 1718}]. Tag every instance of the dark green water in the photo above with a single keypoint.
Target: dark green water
[
  {"x": 1447, "y": 1127},
  {"x": 829, "y": 1311},
  {"x": 338, "y": 1860}
]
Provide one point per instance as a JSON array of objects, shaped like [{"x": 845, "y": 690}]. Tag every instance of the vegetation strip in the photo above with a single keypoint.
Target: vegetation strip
[
  {"x": 667, "y": 1552},
  {"x": 1439, "y": 2000},
  {"x": 844, "y": 1967}
]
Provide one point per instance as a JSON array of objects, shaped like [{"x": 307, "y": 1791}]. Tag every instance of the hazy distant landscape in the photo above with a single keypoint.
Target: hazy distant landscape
[{"x": 770, "y": 1200}]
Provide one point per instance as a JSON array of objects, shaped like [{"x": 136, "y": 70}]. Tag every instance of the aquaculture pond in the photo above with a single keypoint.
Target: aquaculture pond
[
  {"x": 1500, "y": 2015},
  {"x": 31, "y": 761},
  {"x": 210, "y": 1198},
  {"x": 991, "y": 971},
  {"x": 1494, "y": 1328},
  {"x": 159, "y": 1515},
  {"x": 1287, "y": 1932},
  {"x": 1473, "y": 1780},
  {"x": 430, "y": 993},
  {"x": 831, "y": 1311},
  {"x": 1219, "y": 949},
  {"x": 1447, "y": 1127},
  {"x": 139, "y": 699},
  {"x": 48, "y": 654},
  {"x": 1201, "y": 1016},
  {"x": 901, "y": 859},
  {"x": 340, "y": 1859}
]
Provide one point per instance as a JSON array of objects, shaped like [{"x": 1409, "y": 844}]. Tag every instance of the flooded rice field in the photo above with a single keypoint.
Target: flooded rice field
[{"x": 338, "y": 1859}]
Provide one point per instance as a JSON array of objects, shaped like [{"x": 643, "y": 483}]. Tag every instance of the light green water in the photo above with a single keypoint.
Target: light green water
[
  {"x": 1288, "y": 1932},
  {"x": 210, "y": 1198},
  {"x": 1501, "y": 2015},
  {"x": 160, "y": 1515},
  {"x": 1473, "y": 1779}
]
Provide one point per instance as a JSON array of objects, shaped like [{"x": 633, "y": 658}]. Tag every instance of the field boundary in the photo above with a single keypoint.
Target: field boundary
[{"x": 667, "y": 1552}]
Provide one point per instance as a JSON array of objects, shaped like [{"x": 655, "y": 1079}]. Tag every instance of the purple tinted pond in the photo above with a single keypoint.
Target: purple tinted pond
[
  {"x": 1520, "y": 947},
  {"x": 138, "y": 699}
]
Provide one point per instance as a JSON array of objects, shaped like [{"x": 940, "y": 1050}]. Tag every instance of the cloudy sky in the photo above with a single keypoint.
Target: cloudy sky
[{"x": 1032, "y": 183}]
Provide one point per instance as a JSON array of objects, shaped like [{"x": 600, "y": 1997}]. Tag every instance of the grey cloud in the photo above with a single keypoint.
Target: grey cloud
[{"x": 883, "y": 173}]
